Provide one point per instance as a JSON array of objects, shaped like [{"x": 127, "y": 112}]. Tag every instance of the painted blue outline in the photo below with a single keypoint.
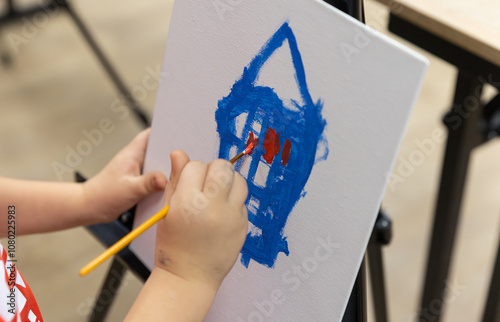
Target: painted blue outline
[{"x": 303, "y": 125}]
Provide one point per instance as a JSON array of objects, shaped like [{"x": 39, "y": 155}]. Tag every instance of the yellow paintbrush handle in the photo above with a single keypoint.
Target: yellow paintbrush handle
[{"x": 122, "y": 243}]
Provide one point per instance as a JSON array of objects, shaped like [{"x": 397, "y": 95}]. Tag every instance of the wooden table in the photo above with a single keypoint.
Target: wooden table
[
  {"x": 466, "y": 34},
  {"x": 472, "y": 25}
]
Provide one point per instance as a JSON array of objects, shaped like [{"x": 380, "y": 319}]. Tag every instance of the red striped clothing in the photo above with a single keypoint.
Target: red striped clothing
[{"x": 17, "y": 302}]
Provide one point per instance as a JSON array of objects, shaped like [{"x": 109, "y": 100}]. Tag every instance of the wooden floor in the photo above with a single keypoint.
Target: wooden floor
[{"x": 55, "y": 89}]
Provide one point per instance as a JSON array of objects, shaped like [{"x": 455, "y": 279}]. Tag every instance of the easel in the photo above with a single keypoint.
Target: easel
[
  {"x": 13, "y": 15},
  {"x": 356, "y": 310}
]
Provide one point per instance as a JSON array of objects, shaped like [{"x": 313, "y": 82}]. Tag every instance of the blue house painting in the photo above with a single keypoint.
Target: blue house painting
[{"x": 289, "y": 137}]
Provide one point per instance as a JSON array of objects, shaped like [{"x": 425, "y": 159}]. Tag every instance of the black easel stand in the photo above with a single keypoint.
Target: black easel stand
[
  {"x": 356, "y": 310},
  {"x": 13, "y": 15}
]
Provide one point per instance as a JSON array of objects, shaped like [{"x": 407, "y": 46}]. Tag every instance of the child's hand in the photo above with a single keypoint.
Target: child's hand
[
  {"x": 206, "y": 226},
  {"x": 197, "y": 243},
  {"x": 120, "y": 185}
]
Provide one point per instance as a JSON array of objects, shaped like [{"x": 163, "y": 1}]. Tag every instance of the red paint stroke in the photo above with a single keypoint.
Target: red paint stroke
[
  {"x": 252, "y": 143},
  {"x": 277, "y": 146},
  {"x": 271, "y": 145},
  {"x": 285, "y": 155}
]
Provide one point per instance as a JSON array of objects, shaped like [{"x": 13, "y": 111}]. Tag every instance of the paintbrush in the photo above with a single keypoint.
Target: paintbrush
[
  {"x": 252, "y": 143},
  {"x": 127, "y": 239}
]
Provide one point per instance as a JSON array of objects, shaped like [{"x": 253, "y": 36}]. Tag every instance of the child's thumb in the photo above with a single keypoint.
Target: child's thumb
[{"x": 152, "y": 182}]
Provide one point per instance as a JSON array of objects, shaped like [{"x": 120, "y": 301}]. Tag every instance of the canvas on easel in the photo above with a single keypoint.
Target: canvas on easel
[{"x": 329, "y": 99}]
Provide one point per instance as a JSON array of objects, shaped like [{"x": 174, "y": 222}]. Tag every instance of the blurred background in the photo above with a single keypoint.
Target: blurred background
[{"x": 54, "y": 88}]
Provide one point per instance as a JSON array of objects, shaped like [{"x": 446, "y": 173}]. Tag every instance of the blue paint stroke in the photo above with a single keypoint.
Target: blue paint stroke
[{"x": 269, "y": 205}]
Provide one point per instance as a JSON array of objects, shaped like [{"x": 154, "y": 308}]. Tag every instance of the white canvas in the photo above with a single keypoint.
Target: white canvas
[{"x": 360, "y": 87}]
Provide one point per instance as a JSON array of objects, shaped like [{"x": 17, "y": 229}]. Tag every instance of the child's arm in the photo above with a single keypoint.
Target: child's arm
[
  {"x": 197, "y": 243},
  {"x": 49, "y": 206}
]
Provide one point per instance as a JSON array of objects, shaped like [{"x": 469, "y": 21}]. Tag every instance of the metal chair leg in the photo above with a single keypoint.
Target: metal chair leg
[{"x": 463, "y": 125}]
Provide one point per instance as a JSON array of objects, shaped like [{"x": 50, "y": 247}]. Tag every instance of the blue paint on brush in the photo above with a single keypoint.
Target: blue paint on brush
[{"x": 302, "y": 124}]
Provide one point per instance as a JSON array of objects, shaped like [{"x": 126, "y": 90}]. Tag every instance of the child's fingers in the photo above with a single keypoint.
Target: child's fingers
[
  {"x": 150, "y": 182},
  {"x": 244, "y": 212},
  {"x": 192, "y": 178},
  {"x": 179, "y": 159},
  {"x": 137, "y": 147},
  {"x": 220, "y": 176},
  {"x": 239, "y": 190}
]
